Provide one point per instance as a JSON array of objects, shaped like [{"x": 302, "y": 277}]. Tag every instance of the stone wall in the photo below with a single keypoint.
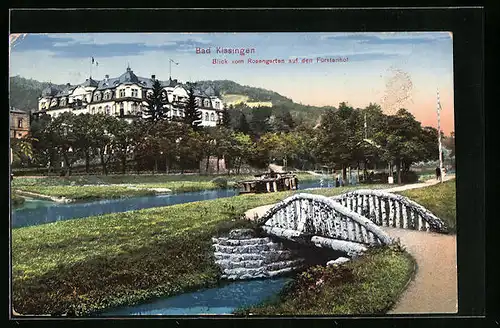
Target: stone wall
[{"x": 243, "y": 255}]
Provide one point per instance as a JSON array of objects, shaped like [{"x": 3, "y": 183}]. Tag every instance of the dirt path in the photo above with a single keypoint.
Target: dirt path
[{"x": 434, "y": 286}]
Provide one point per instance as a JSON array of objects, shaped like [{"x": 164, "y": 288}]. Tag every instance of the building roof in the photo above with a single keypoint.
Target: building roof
[
  {"x": 90, "y": 83},
  {"x": 17, "y": 111},
  {"x": 128, "y": 77},
  {"x": 51, "y": 90}
]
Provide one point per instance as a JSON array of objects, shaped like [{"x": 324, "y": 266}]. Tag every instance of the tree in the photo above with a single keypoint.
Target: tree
[
  {"x": 22, "y": 149},
  {"x": 87, "y": 129},
  {"x": 241, "y": 150},
  {"x": 156, "y": 104},
  {"x": 282, "y": 121},
  {"x": 260, "y": 120},
  {"x": 192, "y": 115},
  {"x": 61, "y": 131},
  {"x": 243, "y": 125},
  {"x": 225, "y": 119},
  {"x": 123, "y": 141},
  {"x": 43, "y": 147}
]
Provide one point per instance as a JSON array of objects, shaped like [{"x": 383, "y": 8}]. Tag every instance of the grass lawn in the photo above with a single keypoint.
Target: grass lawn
[
  {"x": 440, "y": 199},
  {"x": 85, "y": 265},
  {"x": 370, "y": 284}
]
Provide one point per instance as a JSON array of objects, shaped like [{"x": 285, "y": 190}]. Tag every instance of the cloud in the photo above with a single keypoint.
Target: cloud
[
  {"x": 391, "y": 39},
  {"x": 69, "y": 47}
]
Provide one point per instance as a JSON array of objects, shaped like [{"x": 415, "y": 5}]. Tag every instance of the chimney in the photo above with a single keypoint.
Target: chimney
[
  {"x": 68, "y": 84},
  {"x": 153, "y": 77},
  {"x": 106, "y": 76}
]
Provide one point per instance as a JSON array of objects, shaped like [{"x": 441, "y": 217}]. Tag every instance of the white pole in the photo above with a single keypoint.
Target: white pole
[{"x": 439, "y": 137}]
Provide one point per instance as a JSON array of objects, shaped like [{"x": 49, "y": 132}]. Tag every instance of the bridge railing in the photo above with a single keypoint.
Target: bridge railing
[
  {"x": 321, "y": 219},
  {"x": 391, "y": 210}
]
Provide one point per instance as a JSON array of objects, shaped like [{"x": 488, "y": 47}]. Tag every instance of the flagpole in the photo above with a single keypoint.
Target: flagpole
[{"x": 439, "y": 137}]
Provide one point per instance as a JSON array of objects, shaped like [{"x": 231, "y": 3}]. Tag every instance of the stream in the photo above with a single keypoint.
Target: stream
[
  {"x": 219, "y": 300},
  {"x": 35, "y": 211}
]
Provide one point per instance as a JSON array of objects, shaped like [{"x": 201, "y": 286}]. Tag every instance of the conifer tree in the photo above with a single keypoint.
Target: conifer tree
[
  {"x": 192, "y": 115},
  {"x": 156, "y": 107}
]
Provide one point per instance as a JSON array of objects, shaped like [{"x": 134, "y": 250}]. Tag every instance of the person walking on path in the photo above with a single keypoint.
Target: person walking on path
[{"x": 438, "y": 173}]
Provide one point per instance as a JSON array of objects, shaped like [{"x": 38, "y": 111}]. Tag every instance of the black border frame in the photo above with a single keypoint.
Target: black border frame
[{"x": 467, "y": 26}]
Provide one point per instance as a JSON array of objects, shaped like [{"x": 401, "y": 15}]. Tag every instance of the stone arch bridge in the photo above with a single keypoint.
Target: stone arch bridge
[{"x": 349, "y": 222}]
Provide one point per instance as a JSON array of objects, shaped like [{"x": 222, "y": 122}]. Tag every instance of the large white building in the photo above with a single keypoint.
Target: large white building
[{"x": 124, "y": 97}]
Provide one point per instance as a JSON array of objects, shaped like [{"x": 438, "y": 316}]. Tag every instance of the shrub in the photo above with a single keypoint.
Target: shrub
[{"x": 220, "y": 182}]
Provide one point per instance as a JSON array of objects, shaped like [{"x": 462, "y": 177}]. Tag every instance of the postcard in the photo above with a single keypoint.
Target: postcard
[{"x": 232, "y": 174}]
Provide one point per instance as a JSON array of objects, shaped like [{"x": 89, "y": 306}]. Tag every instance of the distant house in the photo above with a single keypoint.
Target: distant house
[{"x": 19, "y": 123}]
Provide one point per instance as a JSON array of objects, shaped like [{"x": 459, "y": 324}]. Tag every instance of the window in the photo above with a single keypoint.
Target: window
[
  {"x": 107, "y": 95},
  {"x": 212, "y": 117},
  {"x": 93, "y": 110},
  {"x": 207, "y": 103},
  {"x": 19, "y": 135},
  {"x": 108, "y": 110},
  {"x": 100, "y": 110},
  {"x": 122, "y": 93},
  {"x": 217, "y": 104},
  {"x": 135, "y": 93},
  {"x": 206, "y": 117},
  {"x": 63, "y": 101},
  {"x": 122, "y": 109},
  {"x": 175, "y": 112},
  {"x": 134, "y": 108},
  {"x": 96, "y": 97},
  {"x": 20, "y": 123}
]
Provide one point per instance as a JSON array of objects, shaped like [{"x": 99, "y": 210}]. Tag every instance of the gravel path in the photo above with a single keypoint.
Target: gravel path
[{"x": 434, "y": 286}]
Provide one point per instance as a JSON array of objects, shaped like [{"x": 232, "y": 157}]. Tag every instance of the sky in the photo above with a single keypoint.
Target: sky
[{"x": 395, "y": 70}]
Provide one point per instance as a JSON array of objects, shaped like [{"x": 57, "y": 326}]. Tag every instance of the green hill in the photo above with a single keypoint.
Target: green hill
[{"x": 24, "y": 93}]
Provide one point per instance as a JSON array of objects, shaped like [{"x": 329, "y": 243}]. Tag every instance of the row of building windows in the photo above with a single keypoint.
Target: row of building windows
[
  {"x": 210, "y": 118},
  {"x": 135, "y": 93},
  {"x": 117, "y": 110}
]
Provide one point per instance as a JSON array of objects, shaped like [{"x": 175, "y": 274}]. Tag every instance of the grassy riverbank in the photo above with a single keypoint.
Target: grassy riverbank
[
  {"x": 85, "y": 193},
  {"x": 440, "y": 199},
  {"x": 82, "y": 187},
  {"x": 85, "y": 265},
  {"x": 371, "y": 284},
  {"x": 16, "y": 200}
]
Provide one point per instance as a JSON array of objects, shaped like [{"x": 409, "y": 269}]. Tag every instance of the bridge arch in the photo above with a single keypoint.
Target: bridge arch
[
  {"x": 391, "y": 210},
  {"x": 322, "y": 221}
]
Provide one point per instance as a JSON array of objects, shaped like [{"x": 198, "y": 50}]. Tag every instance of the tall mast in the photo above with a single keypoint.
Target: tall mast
[
  {"x": 439, "y": 136},
  {"x": 366, "y": 128}
]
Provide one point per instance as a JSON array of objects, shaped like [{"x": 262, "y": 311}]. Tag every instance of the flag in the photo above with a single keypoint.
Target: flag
[{"x": 92, "y": 60}]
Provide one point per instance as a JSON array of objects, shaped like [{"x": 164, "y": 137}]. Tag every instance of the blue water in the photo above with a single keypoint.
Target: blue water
[
  {"x": 35, "y": 212},
  {"x": 38, "y": 212},
  {"x": 219, "y": 300}
]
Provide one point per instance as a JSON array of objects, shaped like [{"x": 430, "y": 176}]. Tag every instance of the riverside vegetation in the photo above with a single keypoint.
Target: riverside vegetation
[{"x": 85, "y": 188}]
